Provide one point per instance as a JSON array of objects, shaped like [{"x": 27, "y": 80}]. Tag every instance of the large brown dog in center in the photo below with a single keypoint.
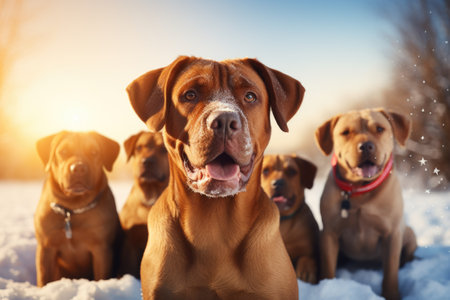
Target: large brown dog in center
[
  {"x": 76, "y": 220},
  {"x": 213, "y": 233},
  {"x": 362, "y": 205}
]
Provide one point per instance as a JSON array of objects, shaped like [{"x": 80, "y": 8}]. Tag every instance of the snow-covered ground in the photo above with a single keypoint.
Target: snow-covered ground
[{"x": 427, "y": 277}]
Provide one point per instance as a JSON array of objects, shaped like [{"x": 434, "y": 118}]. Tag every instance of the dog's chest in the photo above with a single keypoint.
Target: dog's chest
[{"x": 362, "y": 232}]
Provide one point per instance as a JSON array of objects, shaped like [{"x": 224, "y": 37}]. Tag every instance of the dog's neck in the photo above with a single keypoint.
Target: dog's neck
[
  {"x": 361, "y": 187},
  {"x": 149, "y": 191},
  {"x": 213, "y": 220}
]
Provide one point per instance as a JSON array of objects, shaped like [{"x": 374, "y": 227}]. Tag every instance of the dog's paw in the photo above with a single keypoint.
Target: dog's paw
[{"x": 306, "y": 269}]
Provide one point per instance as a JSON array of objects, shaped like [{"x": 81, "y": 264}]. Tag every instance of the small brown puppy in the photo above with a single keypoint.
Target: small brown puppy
[
  {"x": 151, "y": 175},
  {"x": 214, "y": 233},
  {"x": 76, "y": 220},
  {"x": 362, "y": 204},
  {"x": 284, "y": 179}
]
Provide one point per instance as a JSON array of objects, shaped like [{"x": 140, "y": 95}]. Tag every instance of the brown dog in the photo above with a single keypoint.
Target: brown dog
[
  {"x": 76, "y": 220},
  {"x": 362, "y": 205},
  {"x": 284, "y": 179},
  {"x": 151, "y": 175},
  {"x": 214, "y": 233}
]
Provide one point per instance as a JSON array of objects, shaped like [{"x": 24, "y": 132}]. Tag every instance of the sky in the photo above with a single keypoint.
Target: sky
[{"x": 78, "y": 57}]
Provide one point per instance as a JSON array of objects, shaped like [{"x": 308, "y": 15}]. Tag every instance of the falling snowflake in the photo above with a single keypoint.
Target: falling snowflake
[
  {"x": 436, "y": 171},
  {"x": 423, "y": 161},
  {"x": 422, "y": 137},
  {"x": 427, "y": 191}
]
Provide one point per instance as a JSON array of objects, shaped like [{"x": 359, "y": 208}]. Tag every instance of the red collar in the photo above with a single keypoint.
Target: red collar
[{"x": 355, "y": 191}]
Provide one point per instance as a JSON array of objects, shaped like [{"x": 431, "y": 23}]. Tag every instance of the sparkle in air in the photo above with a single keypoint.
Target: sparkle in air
[{"x": 423, "y": 161}]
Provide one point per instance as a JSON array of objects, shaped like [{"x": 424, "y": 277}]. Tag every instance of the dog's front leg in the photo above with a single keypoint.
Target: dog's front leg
[
  {"x": 47, "y": 269},
  {"x": 329, "y": 249},
  {"x": 102, "y": 262},
  {"x": 392, "y": 246}
]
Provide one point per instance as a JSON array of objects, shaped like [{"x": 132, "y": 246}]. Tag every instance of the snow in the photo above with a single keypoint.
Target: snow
[{"x": 427, "y": 277}]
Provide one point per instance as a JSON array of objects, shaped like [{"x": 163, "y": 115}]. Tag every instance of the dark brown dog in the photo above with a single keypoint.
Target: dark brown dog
[
  {"x": 284, "y": 179},
  {"x": 151, "y": 175},
  {"x": 362, "y": 205},
  {"x": 214, "y": 233},
  {"x": 76, "y": 220}
]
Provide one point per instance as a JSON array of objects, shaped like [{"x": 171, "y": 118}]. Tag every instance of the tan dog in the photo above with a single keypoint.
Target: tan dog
[
  {"x": 151, "y": 175},
  {"x": 76, "y": 220},
  {"x": 362, "y": 205},
  {"x": 284, "y": 179},
  {"x": 214, "y": 233}
]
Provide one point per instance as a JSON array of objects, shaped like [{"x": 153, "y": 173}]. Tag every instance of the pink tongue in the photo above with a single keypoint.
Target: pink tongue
[
  {"x": 222, "y": 172},
  {"x": 279, "y": 199},
  {"x": 369, "y": 171}
]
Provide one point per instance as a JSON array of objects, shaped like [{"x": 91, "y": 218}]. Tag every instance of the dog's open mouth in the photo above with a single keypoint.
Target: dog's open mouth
[
  {"x": 283, "y": 203},
  {"x": 366, "y": 169},
  {"x": 222, "y": 176}
]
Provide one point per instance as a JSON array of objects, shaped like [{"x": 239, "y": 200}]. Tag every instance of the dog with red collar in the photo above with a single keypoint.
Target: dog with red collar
[{"x": 362, "y": 205}]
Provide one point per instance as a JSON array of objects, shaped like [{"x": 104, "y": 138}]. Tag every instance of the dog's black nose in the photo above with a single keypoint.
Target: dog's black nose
[
  {"x": 278, "y": 183},
  {"x": 367, "y": 147},
  {"x": 148, "y": 161},
  {"x": 78, "y": 168},
  {"x": 225, "y": 123}
]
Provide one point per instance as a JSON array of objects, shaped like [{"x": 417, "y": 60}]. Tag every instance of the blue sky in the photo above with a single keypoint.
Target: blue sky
[{"x": 88, "y": 51}]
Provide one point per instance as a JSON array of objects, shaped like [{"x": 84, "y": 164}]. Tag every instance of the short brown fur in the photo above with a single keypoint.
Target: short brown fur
[
  {"x": 151, "y": 174},
  {"x": 75, "y": 178},
  {"x": 375, "y": 229},
  {"x": 286, "y": 177},
  {"x": 211, "y": 239}
]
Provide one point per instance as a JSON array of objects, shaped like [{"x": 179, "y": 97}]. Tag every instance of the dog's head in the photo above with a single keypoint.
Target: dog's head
[
  {"x": 75, "y": 160},
  {"x": 284, "y": 179},
  {"x": 215, "y": 116},
  {"x": 149, "y": 157},
  {"x": 363, "y": 141}
]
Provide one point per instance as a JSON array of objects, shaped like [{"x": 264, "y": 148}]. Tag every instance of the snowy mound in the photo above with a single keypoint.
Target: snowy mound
[{"x": 427, "y": 277}]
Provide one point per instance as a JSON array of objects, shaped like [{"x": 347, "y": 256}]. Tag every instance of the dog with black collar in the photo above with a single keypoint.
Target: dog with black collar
[
  {"x": 284, "y": 179},
  {"x": 76, "y": 220}
]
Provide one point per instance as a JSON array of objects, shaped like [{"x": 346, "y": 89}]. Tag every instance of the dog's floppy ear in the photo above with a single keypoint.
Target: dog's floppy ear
[
  {"x": 324, "y": 135},
  {"x": 110, "y": 150},
  {"x": 307, "y": 171},
  {"x": 401, "y": 125},
  {"x": 285, "y": 92},
  {"x": 150, "y": 92},
  {"x": 46, "y": 149},
  {"x": 130, "y": 144}
]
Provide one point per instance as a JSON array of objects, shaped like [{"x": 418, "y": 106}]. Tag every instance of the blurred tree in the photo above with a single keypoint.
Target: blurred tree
[
  {"x": 9, "y": 33},
  {"x": 421, "y": 86},
  {"x": 10, "y": 22},
  {"x": 17, "y": 154}
]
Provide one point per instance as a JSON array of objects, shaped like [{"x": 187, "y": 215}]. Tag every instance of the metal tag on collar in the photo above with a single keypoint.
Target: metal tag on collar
[
  {"x": 345, "y": 204},
  {"x": 68, "y": 226}
]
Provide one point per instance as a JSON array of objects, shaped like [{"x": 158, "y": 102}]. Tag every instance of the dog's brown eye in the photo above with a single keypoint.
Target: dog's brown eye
[
  {"x": 250, "y": 97},
  {"x": 138, "y": 148},
  {"x": 291, "y": 172},
  {"x": 265, "y": 171},
  {"x": 63, "y": 153},
  {"x": 345, "y": 132},
  {"x": 380, "y": 129},
  {"x": 190, "y": 95}
]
